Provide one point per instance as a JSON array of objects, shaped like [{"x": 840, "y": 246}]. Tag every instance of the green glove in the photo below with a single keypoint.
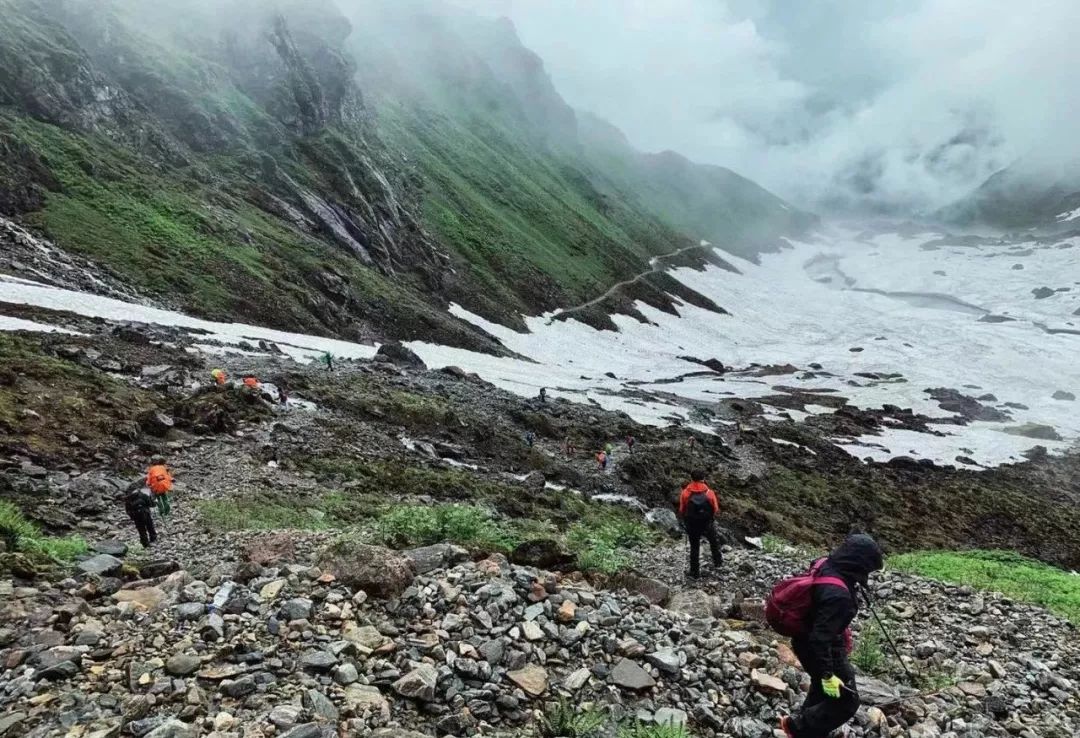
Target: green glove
[{"x": 831, "y": 685}]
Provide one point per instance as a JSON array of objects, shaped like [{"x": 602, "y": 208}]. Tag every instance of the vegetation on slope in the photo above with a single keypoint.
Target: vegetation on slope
[{"x": 1006, "y": 572}]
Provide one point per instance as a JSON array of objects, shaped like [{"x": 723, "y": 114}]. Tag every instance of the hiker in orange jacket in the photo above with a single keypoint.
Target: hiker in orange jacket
[
  {"x": 698, "y": 508},
  {"x": 160, "y": 482},
  {"x": 219, "y": 376},
  {"x": 251, "y": 382}
]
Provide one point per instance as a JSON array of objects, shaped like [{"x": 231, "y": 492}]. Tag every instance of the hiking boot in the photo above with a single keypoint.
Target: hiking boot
[
  {"x": 788, "y": 726},
  {"x": 693, "y": 575}
]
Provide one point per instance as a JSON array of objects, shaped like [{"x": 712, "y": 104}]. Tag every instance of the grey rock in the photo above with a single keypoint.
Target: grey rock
[
  {"x": 318, "y": 660},
  {"x": 418, "y": 684},
  {"x": 666, "y": 660},
  {"x": 320, "y": 706},
  {"x": 100, "y": 565},
  {"x": 111, "y": 547},
  {"x": 441, "y": 555},
  {"x": 182, "y": 664},
  {"x": 190, "y": 611},
  {"x": 239, "y": 688},
  {"x": 630, "y": 676},
  {"x": 298, "y": 608},
  {"x": 173, "y": 729}
]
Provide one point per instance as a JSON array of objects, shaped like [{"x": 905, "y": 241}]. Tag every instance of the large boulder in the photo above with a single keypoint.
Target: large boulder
[
  {"x": 543, "y": 553},
  {"x": 396, "y": 353},
  {"x": 270, "y": 549},
  {"x": 101, "y": 565},
  {"x": 439, "y": 556},
  {"x": 653, "y": 590},
  {"x": 378, "y": 571},
  {"x": 695, "y": 603}
]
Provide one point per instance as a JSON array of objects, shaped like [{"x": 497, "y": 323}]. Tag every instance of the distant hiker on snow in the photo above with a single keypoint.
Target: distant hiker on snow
[
  {"x": 282, "y": 396},
  {"x": 328, "y": 359},
  {"x": 698, "y": 508},
  {"x": 543, "y": 394},
  {"x": 220, "y": 377},
  {"x": 137, "y": 503},
  {"x": 815, "y": 610},
  {"x": 160, "y": 482}
]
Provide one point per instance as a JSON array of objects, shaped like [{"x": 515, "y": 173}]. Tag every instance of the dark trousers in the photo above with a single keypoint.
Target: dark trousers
[
  {"x": 820, "y": 714},
  {"x": 144, "y": 521},
  {"x": 695, "y": 531}
]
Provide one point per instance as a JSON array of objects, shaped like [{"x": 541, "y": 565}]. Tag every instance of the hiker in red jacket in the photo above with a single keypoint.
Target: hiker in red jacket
[
  {"x": 698, "y": 508},
  {"x": 823, "y": 648}
]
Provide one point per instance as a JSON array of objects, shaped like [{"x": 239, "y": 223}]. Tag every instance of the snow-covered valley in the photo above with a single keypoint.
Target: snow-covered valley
[{"x": 878, "y": 319}]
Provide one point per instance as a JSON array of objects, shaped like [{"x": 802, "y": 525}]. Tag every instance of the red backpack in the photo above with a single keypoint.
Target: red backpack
[{"x": 789, "y": 606}]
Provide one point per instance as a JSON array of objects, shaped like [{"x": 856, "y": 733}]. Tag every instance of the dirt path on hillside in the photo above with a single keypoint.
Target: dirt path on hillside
[{"x": 655, "y": 265}]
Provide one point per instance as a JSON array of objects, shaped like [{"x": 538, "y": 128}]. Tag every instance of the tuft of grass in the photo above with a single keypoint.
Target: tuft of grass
[
  {"x": 563, "y": 720},
  {"x": 257, "y": 514},
  {"x": 20, "y": 535},
  {"x": 868, "y": 654},
  {"x": 603, "y": 544},
  {"x": 1009, "y": 573},
  {"x": 653, "y": 730},
  {"x": 466, "y": 525}
]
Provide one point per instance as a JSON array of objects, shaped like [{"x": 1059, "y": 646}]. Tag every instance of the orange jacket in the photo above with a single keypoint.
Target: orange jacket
[
  {"x": 159, "y": 480},
  {"x": 219, "y": 376},
  {"x": 692, "y": 488},
  {"x": 251, "y": 382}
]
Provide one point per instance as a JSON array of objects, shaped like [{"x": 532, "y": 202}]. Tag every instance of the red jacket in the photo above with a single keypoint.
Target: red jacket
[{"x": 690, "y": 489}]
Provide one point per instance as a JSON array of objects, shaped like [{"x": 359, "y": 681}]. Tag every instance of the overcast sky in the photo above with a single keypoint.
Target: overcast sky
[{"x": 832, "y": 103}]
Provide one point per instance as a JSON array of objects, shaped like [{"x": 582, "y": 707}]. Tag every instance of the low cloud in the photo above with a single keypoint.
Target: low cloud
[{"x": 838, "y": 105}]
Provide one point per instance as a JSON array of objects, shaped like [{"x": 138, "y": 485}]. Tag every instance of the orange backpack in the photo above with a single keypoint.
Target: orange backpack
[{"x": 159, "y": 480}]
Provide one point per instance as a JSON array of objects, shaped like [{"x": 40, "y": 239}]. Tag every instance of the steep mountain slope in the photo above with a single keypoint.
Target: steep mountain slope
[
  {"x": 222, "y": 158},
  {"x": 1024, "y": 195}
]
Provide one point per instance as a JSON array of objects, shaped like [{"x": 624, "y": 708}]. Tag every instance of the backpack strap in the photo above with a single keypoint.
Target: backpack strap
[{"x": 815, "y": 568}]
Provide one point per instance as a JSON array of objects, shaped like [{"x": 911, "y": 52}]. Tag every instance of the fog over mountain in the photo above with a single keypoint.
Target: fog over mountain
[{"x": 897, "y": 107}]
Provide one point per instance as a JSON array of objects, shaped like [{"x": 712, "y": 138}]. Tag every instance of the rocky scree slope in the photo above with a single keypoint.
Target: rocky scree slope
[{"x": 365, "y": 640}]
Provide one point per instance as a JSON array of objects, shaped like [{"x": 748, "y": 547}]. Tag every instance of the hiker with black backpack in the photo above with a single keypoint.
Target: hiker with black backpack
[
  {"x": 698, "y": 508},
  {"x": 815, "y": 610}
]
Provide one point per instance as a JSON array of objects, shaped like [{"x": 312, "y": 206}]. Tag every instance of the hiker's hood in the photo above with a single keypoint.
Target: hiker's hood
[{"x": 856, "y": 557}]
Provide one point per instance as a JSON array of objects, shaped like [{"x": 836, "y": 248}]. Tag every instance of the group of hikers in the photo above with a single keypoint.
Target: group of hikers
[{"x": 814, "y": 609}]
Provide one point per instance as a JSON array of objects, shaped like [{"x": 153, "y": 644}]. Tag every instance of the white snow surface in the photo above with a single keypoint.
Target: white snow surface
[
  {"x": 300, "y": 346},
  {"x": 802, "y": 305},
  {"x": 1069, "y": 215}
]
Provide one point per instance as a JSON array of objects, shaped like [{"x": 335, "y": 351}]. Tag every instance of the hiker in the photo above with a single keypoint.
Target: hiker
[
  {"x": 220, "y": 377},
  {"x": 698, "y": 508},
  {"x": 160, "y": 482},
  {"x": 568, "y": 447},
  {"x": 601, "y": 460},
  {"x": 251, "y": 382},
  {"x": 822, "y": 648},
  {"x": 328, "y": 359},
  {"x": 282, "y": 396},
  {"x": 530, "y": 439},
  {"x": 137, "y": 503},
  {"x": 609, "y": 449},
  {"x": 630, "y": 441},
  {"x": 543, "y": 394}
]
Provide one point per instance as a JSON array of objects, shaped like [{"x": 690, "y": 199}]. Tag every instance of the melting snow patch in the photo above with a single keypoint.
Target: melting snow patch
[
  {"x": 1069, "y": 215},
  {"x": 18, "y": 324}
]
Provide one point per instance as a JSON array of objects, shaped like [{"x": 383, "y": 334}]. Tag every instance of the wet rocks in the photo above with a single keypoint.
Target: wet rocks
[
  {"x": 418, "y": 684},
  {"x": 396, "y": 353},
  {"x": 438, "y": 556}
]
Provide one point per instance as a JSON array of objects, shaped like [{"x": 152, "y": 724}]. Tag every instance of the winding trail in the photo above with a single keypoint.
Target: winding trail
[{"x": 654, "y": 267}]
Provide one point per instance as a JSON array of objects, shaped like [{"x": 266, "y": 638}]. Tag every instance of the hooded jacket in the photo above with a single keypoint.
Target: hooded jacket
[
  {"x": 835, "y": 607},
  {"x": 696, "y": 488}
]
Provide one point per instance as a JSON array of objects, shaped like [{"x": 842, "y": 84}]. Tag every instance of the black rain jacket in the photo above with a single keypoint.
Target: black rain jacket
[{"x": 836, "y": 607}]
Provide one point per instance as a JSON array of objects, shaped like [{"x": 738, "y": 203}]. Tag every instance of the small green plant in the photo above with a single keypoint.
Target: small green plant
[
  {"x": 603, "y": 545},
  {"x": 562, "y": 720},
  {"x": 467, "y": 525},
  {"x": 19, "y": 534},
  {"x": 868, "y": 654},
  {"x": 653, "y": 730},
  {"x": 258, "y": 514},
  {"x": 774, "y": 544}
]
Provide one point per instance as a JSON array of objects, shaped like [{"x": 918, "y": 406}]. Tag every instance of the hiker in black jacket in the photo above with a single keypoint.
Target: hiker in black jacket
[
  {"x": 823, "y": 651},
  {"x": 138, "y": 505}
]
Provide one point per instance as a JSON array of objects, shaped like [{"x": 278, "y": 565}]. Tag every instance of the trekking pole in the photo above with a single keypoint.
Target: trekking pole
[{"x": 888, "y": 637}]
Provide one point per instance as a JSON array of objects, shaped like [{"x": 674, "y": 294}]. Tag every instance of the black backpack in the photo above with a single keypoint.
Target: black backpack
[{"x": 698, "y": 507}]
